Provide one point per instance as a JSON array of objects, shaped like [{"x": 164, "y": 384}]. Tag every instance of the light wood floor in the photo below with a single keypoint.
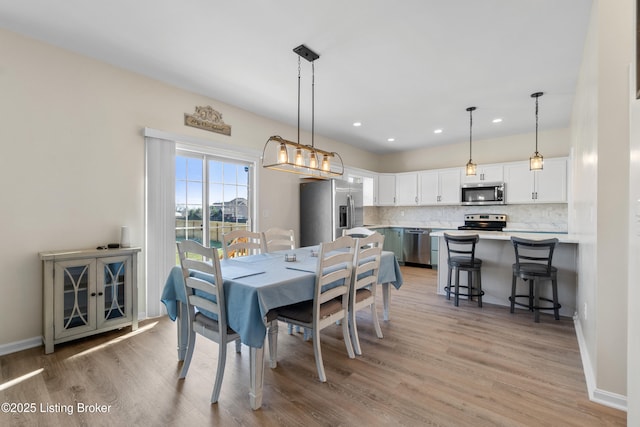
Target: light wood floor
[{"x": 437, "y": 365}]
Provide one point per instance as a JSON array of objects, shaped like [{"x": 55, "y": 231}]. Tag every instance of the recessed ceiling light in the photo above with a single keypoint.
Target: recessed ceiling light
[
  {"x": 498, "y": 120},
  {"x": 391, "y": 139},
  {"x": 357, "y": 124},
  {"x": 437, "y": 131}
]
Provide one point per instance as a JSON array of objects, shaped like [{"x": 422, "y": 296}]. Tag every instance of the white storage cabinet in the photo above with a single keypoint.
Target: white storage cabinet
[{"x": 88, "y": 291}]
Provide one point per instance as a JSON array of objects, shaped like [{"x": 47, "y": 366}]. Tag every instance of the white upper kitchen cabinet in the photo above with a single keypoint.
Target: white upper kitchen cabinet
[
  {"x": 484, "y": 173},
  {"x": 386, "y": 189},
  {"x": 407, "y": 189},
  {"x": 439, "y": 187},
  {"x": 548, "y": 185}
]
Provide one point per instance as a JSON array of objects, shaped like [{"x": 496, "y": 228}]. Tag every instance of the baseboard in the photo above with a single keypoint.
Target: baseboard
[
  {"x": 12, "y": 347},
  {"x": 603, "y": 397}
]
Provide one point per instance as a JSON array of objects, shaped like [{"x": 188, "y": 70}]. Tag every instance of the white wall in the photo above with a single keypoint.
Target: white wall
[
  {"x": 72, "y": 164},
  {"x": 600, "y": 140},
  {"x": 633, "y": 335},
  {"x": 633, "y": 324}
]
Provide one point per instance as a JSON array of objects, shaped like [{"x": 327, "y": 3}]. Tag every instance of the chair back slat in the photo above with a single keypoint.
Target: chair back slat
[
  {"x": 534, "y": 251},
  {"x": 241, "y": 243},
  {"x": 278, "y": 239},
  {"x": 335, "y": 266},
  {"x": 201, "y": 272},
  {"x": 463, "y": 246},
  {"x": 367, "y": 262}
]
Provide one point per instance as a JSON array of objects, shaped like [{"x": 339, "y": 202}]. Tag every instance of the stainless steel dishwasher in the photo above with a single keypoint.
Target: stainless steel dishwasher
[{"x": 416, "y": 246}]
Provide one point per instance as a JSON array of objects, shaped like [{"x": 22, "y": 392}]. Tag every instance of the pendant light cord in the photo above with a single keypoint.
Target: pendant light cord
[
  {"x": 470, "y": 130},
  {"x": 298, "y": 99},
  {"x": 537, "y": 124},
  {"x": 470, "y": 110},
  {"x": 313, "y": 102}
]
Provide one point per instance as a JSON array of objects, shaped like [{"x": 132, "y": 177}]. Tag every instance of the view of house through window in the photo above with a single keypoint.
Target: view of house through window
[{"x": 212, "y": 197}]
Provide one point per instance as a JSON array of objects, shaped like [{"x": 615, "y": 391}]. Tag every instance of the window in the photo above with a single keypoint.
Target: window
[{"x": 212, "y": 197}]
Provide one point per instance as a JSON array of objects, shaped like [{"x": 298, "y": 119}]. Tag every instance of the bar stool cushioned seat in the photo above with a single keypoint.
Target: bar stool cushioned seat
[
  {"x": 461, "y": 257},
  {"x": 533, "y": 264}
]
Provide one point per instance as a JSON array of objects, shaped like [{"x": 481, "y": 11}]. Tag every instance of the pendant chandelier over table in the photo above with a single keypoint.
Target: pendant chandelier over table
[{"x": 288, "y": 156}]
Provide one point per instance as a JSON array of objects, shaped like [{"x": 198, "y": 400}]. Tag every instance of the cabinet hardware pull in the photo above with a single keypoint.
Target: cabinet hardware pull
[{"x": 93, "y": 294}]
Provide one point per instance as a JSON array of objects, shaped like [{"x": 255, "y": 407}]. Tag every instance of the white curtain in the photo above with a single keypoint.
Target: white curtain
[{"x": 159, "y": 218}]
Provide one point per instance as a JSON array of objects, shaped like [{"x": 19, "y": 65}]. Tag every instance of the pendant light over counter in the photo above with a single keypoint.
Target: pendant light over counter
[
  {"x": 471, "y": 167},
  {"x": 536, "y": 161},
  {"x": 294, "y": 157}
]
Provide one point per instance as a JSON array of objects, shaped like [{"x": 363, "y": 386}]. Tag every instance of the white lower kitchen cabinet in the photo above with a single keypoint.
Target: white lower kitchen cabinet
[
  {"x": 549, "y": 185},
  {"x": 88, "y": 291}
]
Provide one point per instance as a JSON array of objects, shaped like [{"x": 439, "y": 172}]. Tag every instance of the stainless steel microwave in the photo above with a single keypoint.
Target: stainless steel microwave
[{"x": 483, "y": 193}]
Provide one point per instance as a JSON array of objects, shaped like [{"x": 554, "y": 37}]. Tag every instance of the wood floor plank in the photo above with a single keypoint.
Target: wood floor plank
[{"x": 437, "y": 365}]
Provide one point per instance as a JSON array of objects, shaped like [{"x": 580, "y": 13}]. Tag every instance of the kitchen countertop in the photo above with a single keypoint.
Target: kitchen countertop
[
  {"x": 506, "y": 235},
  {"x": 438, "y": 231}
]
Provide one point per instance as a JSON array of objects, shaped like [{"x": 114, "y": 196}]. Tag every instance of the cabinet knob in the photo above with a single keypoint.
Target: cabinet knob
[
  {"x": 93, "y": 294},
  {"x": 100, "y": 294}
]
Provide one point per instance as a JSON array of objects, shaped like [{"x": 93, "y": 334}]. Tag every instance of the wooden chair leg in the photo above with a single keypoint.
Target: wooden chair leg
[
  {"x": 513, "y": 293},
  {"x": 531, "y": 295},
  {"x": 536, "y": 301},
  {"x": 222, "y": 359},
  {"x": 456, "y": 297},
  {"x": 449, "y": 283},
  {"x": 191, "y": 341},
  {"x": 347, "y": 338},
  {"x": 354, "y": 332},
  {"x": 556, "y": 305},
  {"x": 376, "y": 323},
  {"x": 317, "y": 351},
  {"x": 479, "y": 280}
]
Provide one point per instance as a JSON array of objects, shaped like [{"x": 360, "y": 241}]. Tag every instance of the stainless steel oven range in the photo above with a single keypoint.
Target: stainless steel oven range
[{"x": 486, "y": 222}]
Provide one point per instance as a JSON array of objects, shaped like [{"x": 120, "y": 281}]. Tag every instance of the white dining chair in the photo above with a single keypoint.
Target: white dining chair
[
  {"x": 278, "y": 239},
  {"x": 329, "y": 304},
  {"x": 240, "y": 243},
  {"x": 210, "y": 318},
  {"x": 357, "y": 232},
  {"x": 364, "y": 282}
]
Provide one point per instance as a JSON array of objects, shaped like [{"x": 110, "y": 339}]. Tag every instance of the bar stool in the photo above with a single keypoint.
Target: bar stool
[
  {"x": 461, "y": 251},
  {"x": 533, "y": 264}
]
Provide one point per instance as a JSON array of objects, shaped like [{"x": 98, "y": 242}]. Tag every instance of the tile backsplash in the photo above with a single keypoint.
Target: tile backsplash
[{"x": 550, "y": 217}]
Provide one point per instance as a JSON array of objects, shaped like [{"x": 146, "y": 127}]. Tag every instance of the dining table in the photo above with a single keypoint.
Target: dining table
[{"x": 256, "y": 284}]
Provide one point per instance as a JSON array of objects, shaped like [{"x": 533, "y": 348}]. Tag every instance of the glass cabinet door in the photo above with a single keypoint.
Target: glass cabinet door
[
  {"x": 114, "y": 290},
  {"x": 74, "y": 289}
]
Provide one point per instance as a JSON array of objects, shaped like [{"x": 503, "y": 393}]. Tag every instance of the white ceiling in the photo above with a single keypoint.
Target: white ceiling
[{"x": 403, "y": 68}]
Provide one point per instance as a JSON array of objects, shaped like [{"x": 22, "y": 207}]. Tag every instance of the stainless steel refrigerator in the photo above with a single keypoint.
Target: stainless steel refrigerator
[{"x": 326, "y": 208}]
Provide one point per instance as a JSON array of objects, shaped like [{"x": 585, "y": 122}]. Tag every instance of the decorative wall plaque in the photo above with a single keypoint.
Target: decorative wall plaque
[{"x": 208, "y": 119}]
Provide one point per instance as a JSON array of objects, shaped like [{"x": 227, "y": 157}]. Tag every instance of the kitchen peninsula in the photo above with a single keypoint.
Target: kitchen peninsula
[{"x": 497, "y": 254}]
